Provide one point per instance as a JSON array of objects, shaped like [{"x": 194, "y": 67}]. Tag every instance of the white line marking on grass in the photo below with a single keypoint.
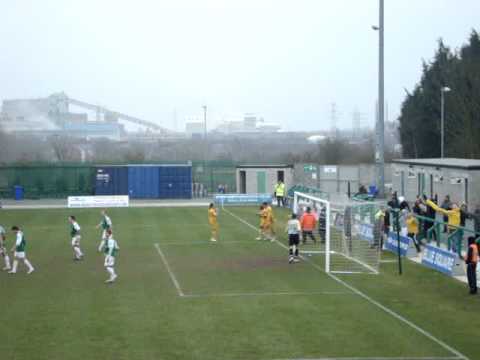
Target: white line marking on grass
[
  {"x": 379, "y": 358},
  {"x": 399, "y": 317},
  {"x": 274, "y": 293},
  {"x": 169, "y": 270},
  {"x": 388, "y": 261},
  {"x": 205, "y": 242}
]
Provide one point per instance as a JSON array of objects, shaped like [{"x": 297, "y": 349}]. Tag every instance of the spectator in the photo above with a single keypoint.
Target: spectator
[
  {"x": 403, "y": 204},
  {"x": 429, "y": 213},
  {"x": 447, "y": 205},
  {"x": 394, "y": 203},
  {"x": 412, "y": 231},
  {"x": 471, "y": 259},
  {"x": 417, "y": 208},
  {"x": 362, "y": 190},
  {"x": 453, "y": 218},
  {"x": 386, "y": 225},
  {"x": 322, "y": 224},
  {"x": 378, "y": 228}
]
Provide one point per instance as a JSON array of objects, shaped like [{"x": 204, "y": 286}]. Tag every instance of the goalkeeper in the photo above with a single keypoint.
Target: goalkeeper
[{"x": 293, "y": 229}]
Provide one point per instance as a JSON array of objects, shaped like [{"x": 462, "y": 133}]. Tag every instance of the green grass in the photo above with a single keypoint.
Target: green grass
[{"x": 243, "y": 300}]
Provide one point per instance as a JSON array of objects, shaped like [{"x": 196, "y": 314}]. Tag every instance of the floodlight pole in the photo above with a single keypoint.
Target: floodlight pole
[
  {"x": 380, "y": 126},
  {"x": 443, "y": 90}
]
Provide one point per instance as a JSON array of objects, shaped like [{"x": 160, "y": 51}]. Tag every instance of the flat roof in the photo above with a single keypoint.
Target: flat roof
[{"x": 455, "y": 163}]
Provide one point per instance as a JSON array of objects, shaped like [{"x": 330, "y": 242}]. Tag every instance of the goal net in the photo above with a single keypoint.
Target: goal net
[{"x": 348, "y": 234}]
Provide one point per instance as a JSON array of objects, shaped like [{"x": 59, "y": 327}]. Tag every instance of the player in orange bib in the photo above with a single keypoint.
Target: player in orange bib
[{"x": 212, "y": 220}]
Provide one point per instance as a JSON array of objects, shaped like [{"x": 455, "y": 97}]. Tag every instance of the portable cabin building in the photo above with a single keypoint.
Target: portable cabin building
[
  {"x": 459, "y": 178},
  {"x": 261, "y": 179}
]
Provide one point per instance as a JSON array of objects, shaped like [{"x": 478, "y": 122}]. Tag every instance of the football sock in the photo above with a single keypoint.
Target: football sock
[
  {"x": 7, "y": 261},
  {"x": 111, "y": 271},
  {"x": 78, "y": 252},
  {"x": 15, "y": 264},
  {"x": 27, "y": 263}
]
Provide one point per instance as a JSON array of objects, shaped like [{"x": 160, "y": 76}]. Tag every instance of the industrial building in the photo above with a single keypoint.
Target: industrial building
[
  {"x": 250, "y": 123},
  {"x": 52, "y": 115},
  {"x": 459, "y": 178}
]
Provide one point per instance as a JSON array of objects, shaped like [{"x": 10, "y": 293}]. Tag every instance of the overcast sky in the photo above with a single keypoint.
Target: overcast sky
[{"x": 285, "y": 60}]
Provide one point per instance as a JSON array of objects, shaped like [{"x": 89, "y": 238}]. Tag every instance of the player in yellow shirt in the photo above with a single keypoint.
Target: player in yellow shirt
[
  {"x": 269, "y": 221},
  {"x": 212, "y": 220},
  {"x": 263, "y": 214}
]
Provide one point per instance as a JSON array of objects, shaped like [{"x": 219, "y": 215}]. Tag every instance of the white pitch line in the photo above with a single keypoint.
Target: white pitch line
[
  {"x": 206, "y": 242},
  {"x": 170, "y": 272},
  {"x": 275, "y": 293},
  {"x": 379, "y": 358},
  {"x": 388, "y": 261},
  {"x": 447, "y": 347}
]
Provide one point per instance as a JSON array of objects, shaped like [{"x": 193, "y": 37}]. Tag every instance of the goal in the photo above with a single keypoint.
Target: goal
[{"x": 349, "y": 234}]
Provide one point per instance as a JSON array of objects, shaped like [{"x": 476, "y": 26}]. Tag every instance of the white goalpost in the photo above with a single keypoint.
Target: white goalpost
[{"x": 350, "y": 234}]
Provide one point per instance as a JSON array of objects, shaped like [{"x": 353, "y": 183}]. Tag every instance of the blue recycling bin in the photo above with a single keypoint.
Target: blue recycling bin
[{"x": 18, "y": 190}]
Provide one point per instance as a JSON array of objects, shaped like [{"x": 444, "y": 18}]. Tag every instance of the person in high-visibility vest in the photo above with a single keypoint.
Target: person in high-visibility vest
[
  {"x": 280, "y": 193},
  {"x": 472, "y": 259}
]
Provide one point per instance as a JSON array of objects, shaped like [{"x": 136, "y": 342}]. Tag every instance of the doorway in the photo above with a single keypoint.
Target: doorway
[
  {"x": 466, "y": 191},
  {"x": 243, "y": 182},
  {"x": 261, "y": 182}
]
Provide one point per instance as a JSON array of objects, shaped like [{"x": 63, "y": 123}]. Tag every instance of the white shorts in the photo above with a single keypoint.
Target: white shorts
[
  {"x": 76, "y": 240},
  {"x": 109, "y": 261},
  {"x": 19, "y": 255}
]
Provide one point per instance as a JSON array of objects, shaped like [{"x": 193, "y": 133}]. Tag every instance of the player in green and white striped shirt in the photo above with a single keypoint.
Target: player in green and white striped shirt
[
  {"x": 3, "y": 249},
  {"x": 75, "y": 235},
  {"x": 19, "y": 251},
  {"x": 105, "y": 224},
  {"x": 111, "y": 248}
]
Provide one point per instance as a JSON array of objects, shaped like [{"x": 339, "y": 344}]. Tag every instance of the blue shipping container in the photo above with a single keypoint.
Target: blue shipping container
[
  {"x": 143, "y": 181},
  {"x": 175, "y": 182},
  {"x": 111, "y": 180}
]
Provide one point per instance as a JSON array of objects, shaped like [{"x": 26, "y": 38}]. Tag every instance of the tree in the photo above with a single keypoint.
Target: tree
[{"x": 421, "y": 110}]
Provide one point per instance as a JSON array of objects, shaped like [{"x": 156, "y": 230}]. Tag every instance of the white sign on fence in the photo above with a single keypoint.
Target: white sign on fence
[
  {"x": 98, "y": 201},
  {"x": 329, "y": 169}
]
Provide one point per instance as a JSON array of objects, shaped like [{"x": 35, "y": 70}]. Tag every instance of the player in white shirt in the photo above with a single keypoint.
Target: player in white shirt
[
  {"x": 110, "y": 249},
  {"x": 76, "y": 237},
  {"x": 19, "y": 251},
  {"x": 293, "y": 229},
  {"x": 105, "y": 224},
  {"x": 3, "y": 249}
]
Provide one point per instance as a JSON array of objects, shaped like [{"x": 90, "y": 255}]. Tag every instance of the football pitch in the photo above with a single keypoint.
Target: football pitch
[{"x": 179, "y": 296}]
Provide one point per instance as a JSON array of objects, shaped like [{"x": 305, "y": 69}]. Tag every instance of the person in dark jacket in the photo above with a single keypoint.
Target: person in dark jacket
[
  {"x": 431, "y": 214},
  {"x": 471, "y": 259}
]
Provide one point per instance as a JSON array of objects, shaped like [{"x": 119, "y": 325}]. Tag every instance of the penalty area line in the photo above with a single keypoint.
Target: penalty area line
[
  {"x": 458, "y": 354},
  {"x": 170, "y": 272}
]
